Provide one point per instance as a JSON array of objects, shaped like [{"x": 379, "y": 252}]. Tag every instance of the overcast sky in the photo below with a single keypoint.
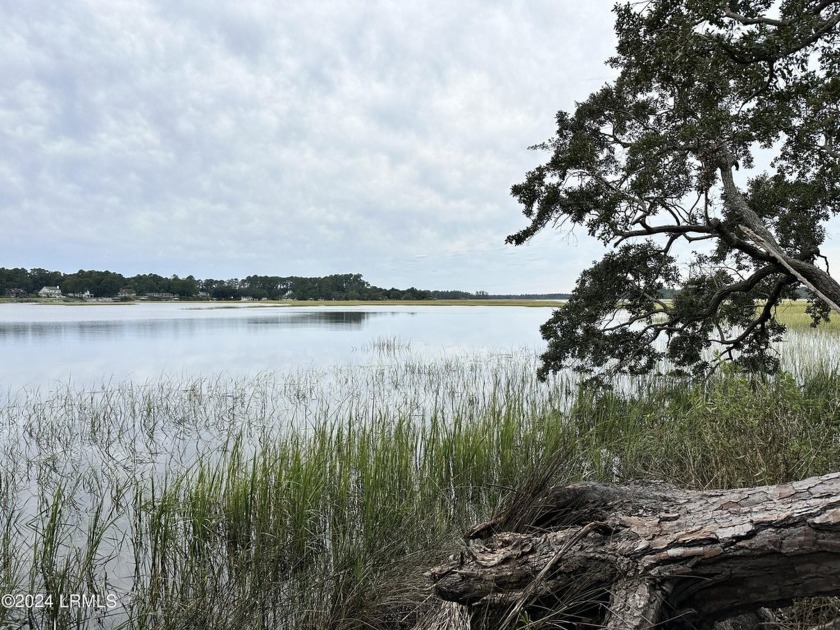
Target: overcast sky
[{"x": 289, "y": 138}]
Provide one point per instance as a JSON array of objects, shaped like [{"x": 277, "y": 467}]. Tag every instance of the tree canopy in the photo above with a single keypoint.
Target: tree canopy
[
  {"x": 346, "y": 286},
  {"x": 648, "y": 165}
]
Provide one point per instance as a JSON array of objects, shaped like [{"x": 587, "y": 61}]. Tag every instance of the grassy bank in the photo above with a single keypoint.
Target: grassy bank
[
  {"x": 334, "y": 531},
  {"x": 317, "y": 499},
  {"x": 791, "y": 313}
]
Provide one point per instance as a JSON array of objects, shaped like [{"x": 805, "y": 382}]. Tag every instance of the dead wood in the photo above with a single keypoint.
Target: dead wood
[{"x": 648, "y": 555}]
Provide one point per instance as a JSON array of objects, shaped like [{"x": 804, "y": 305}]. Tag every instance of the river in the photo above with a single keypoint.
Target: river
[{"x": 47, "y": 345}]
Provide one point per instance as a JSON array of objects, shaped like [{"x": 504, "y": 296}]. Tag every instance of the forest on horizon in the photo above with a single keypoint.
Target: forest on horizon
[{"x": 20, "y": 282}]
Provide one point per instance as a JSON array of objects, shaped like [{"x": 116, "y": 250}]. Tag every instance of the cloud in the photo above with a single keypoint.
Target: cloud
[{"x": 254, "y": 137}]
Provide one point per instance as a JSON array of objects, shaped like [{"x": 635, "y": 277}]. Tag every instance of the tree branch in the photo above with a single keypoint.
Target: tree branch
[
  {"x": 666, "y": 229},
  {"x": 823, "y": 5},
  {"x": 751, "y": 225},
  {"x": 756, "y": 20},
  {"x": 765, "y": 315},
  {"x": 809, "y": 275},
  {"x": 828, "y": 149},
  {"x": 769, "y": 57},
  {"x": 738, "y": 287}
]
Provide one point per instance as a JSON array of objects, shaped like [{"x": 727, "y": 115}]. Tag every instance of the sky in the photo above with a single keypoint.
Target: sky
[{"x": 290, "y": 138}]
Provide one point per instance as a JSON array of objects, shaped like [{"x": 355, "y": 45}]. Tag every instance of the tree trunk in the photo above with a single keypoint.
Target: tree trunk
[
  {"x": 817, "y": 280},
  {"x": 647, "y": 555}
]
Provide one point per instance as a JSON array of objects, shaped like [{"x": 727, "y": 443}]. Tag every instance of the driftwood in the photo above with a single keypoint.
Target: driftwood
[{"x": 646, "y": 555}]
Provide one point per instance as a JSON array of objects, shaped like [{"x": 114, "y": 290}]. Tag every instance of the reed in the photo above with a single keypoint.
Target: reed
[
  {"x": 793, "y": 315},
  {"x": 317, "y": 499}
]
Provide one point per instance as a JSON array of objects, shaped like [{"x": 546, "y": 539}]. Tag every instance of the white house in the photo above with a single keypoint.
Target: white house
[{"x": 50, "y": 292}]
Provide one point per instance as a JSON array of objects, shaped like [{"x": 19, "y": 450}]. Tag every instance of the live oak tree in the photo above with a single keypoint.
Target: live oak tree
[{"x": 648, "y": 165}]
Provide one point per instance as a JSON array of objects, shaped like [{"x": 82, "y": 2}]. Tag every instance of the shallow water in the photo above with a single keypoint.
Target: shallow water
[
  {"x": 55, "y": 345},
  {"x": 101, "y": 402}
]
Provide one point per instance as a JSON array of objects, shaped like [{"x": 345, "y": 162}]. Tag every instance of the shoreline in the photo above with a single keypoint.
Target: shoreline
[{"x": 298, "y": 303}]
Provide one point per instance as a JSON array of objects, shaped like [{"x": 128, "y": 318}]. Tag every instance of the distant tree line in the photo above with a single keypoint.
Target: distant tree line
[
  {"x": 101, "y": 284},
  {"x": 527, "y": 296},
  {"x": 348, "y": 286}
]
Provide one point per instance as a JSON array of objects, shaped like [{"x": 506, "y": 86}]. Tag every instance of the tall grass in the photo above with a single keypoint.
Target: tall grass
[
  {"x": 317, "y": 499},
  {"x": 793, "y": 315}
]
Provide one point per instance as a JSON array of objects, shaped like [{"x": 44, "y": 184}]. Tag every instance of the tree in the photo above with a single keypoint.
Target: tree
[
  {"x": 225, "y": 291},
  {"x": 15, "y": 279},
  {"x": 264, "y": 286},
  {"x": 647, "y": 165},
  {"x": 39, "y": 278},
  {"x": 184, "y": 287},
  {"x": 149, "y": 283}
]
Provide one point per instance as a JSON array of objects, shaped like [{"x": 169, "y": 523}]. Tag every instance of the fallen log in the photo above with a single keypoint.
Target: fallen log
[{"x": 647, "y": 555}]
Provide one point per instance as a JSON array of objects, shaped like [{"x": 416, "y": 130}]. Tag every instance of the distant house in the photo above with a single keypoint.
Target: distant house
[
  {"x": 127, "y": 292},
  {"x": 50, "y": 292},
  {"x": 15, "y": 293}
]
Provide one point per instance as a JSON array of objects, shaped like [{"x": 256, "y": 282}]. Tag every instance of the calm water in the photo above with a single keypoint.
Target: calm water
[
  {"x": 312, "y": 367},
  {"x": 45, "y": 345}
]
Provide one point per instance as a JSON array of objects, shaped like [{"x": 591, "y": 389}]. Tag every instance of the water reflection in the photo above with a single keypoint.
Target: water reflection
[
  {"x": 42, "y": 346},
  {"x": 321, "y": 319},
  {"x": 178, "y": 327}
]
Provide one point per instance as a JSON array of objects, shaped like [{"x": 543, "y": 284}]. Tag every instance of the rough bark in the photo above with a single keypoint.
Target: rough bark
[
  {"x": 817, "y": 280},
  {"x": 650, "y": 555}
]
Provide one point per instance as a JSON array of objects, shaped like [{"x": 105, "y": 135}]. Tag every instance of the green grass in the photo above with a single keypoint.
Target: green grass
[
  {"x": 792, "y": 314},
  {"x": 316, "y": 499}
]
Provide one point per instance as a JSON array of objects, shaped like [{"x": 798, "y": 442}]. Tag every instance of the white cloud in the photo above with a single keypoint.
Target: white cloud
[{"x": 307, "y": 138}]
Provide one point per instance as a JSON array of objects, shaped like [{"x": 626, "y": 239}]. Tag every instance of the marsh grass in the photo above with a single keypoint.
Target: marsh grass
[
  {"x": 317, "y": 499},
  {"x": 387, "y": 346},
  {"x": 792, "y": 314}
]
